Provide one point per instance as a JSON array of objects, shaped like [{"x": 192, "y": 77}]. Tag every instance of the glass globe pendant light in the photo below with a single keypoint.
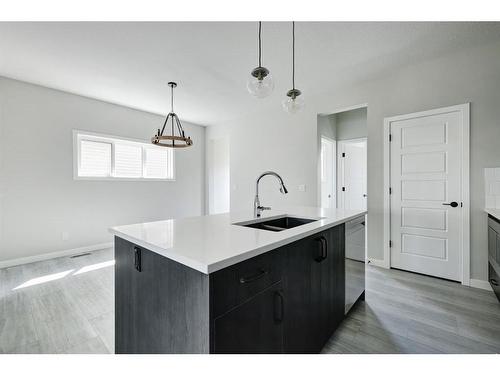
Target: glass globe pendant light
[
  {"x": 260, "y": 83},
  {"x": 294, "y": 101}
]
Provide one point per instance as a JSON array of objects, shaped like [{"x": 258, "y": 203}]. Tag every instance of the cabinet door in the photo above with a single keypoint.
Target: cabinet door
[
  {"x": 492, "y": 243},
  {"x": 498, "y": 248},
  {"x": 311, "y": 285},
  {"x": 301, "y": 297},
  {"x": 336, "y": 277},
  {"x": 329, "y": 274},
  {"x": 125, "y": 298},
  {"x": 255, "y": 326}
]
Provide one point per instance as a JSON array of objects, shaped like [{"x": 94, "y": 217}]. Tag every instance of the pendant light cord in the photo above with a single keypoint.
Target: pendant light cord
[
  {"x": 260, "y": 42},
  {"x": 172, "y": 98},
  {"x": 293, "y": 55}
]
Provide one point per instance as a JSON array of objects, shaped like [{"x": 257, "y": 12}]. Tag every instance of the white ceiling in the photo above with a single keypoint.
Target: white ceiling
[{"x": 130, "y": 63}]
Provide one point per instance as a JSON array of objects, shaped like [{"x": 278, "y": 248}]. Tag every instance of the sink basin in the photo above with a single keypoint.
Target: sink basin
[{"x": 278, "y": 224}]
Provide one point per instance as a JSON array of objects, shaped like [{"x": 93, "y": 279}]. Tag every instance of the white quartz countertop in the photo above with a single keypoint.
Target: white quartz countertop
[
  {"x": 213, "y": 242},
  {"x": 495, "y": 212}
]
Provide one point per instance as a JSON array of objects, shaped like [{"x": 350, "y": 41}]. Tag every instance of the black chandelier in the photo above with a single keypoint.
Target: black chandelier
[{"x": 172, "y": 140}]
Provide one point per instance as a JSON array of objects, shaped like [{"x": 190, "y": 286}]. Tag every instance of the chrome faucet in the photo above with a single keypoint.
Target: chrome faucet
[{"x": 257, "y": 208}]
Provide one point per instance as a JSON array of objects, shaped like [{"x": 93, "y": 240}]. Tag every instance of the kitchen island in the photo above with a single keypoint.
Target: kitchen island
[{"x": 231, "y": 283}]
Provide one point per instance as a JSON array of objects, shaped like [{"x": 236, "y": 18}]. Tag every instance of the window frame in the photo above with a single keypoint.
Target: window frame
[{"x": 79, "y": 135}]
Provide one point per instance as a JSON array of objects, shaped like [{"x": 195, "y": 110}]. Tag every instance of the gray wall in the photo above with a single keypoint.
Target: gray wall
[
  {"x": 351, "y": 124},
  {"x": 470, "y": 75},
  {"x": 39, "y": 199}
]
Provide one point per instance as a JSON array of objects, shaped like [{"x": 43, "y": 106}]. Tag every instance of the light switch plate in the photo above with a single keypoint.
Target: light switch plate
[{"x": 302, "y": 187}]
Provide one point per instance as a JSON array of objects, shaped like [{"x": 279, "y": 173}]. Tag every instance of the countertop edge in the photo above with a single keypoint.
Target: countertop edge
[
  {"x": 227, "y": 262},
  {"x": 495, "y": 212},
  {"x": 217, "y": 266}
]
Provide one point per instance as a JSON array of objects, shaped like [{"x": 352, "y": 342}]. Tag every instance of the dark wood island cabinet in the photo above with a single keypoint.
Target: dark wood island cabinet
[{"x": 287, "y": 300}]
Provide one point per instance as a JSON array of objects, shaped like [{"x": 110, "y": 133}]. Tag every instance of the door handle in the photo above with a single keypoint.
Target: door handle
[
  {"x": 137, "y": 259},
  {"x": 452, "y": 204},
  {"x": 279, "y": 306},
  {"x": 261, "y": 274}
]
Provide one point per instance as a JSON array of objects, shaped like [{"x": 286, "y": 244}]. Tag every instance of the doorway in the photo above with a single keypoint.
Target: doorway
[
  {"x": 352, "y": 189},
  {"x": 427, "y": 189},
  {"x": 342, "y": 163},
  {"x": 218, "y": 175}
]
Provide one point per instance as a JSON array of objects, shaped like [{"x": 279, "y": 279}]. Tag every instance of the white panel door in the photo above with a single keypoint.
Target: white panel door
[
  {"x": 352, "y": 171},
  {"x": 327, "y": 173},
  {"x": 425, "y": 178}
]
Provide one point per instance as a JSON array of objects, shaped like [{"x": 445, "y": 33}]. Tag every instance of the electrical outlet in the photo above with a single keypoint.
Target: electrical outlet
[
  {"x": 64, "y": 236},
  {"x": 302, "y": 187}
]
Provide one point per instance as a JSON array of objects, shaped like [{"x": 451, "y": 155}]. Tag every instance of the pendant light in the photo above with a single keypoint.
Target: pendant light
[
  {"x": 294, "y": 102},
  {"x": 260, "y": 83},
  {"x": 172, "y": 140}
]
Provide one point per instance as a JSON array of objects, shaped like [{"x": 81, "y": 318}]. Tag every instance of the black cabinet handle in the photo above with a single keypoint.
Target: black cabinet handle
[
  {"x": 325, "y": 253},
  {"x": 452, "y": 204},
  {"x": 324, "y": 249},
  {"x": 279, "y": 306},
  {"x": 261, "y": 274},
  {"x": 494, "y": 282},
  {"x": 137, "y": 259}
]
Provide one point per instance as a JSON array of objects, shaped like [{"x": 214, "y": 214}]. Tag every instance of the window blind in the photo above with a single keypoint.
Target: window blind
[
  {"x": 128, "y": 160},
  {"x": 95, "y": 159}
]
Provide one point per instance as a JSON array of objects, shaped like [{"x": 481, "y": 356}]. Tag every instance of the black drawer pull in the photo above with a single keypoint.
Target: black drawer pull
[
  {"x": 137, "y": 259},
  {"x": 324, "y": 249},
  {"x": 261, "y": 274},
  {"x": 279, "y": 307},
  {"x": 494, "y": 282}
]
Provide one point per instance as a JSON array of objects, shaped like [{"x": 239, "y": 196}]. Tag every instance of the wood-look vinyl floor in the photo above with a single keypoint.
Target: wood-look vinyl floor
[{"x": 65, "y": 305}]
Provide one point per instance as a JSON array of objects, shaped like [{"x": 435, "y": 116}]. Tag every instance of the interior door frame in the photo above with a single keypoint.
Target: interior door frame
[
  {"x": 464, "y": 110},
  {"x": 334, "y": 172},
  {"x": 340, "y": 171}
]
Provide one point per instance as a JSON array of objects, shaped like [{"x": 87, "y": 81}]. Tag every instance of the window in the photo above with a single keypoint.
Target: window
[{"x": 100, "y": 156}]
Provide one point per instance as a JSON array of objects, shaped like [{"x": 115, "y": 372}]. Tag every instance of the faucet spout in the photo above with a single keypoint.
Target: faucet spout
[{"x": 257, "y": 208}]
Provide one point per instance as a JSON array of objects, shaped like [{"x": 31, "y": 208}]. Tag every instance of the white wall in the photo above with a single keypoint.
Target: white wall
[
  {"x": 290, "y": 142},
  {"x": 351, "y": 124},
  {"x": 39, "y": 198}
]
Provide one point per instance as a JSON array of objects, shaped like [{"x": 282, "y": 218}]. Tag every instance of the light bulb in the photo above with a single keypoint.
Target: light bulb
[
  {"x": 293, "y": 104},
  {"x": 260, "y": 83}
]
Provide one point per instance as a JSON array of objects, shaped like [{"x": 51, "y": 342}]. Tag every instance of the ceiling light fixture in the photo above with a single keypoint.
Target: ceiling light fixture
[
  {"x": 294, "y": 102},
  {"x": 172, "y": 140},
  {"x": 260, "y": 83}
]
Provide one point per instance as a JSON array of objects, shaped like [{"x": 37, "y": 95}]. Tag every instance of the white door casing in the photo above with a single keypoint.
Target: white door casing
[
  {"x": 428, "y": 168},
  {"x": 327, "y": 172},
  {"x": 352, "y": 165}
]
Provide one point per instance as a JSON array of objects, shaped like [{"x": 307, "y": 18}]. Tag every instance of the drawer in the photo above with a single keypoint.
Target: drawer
[
  {"x": 494, "y": 280},
  {"x": 234, "y": 285}
]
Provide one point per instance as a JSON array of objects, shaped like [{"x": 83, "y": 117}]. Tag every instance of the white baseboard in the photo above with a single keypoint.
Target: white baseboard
[
  {"x": 378, "y": 263},
  {"x": 55, "y": 254},
  {"x": 481, "y": 284}
]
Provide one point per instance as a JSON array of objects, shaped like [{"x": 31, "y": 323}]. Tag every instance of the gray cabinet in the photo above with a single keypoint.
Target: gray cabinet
[
  {"x": 288, "y": 300},
  {"x": 494, "y": 254}
]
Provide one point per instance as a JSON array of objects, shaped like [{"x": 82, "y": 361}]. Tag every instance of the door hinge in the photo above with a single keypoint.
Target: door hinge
[
  {"x": 461, "y": 204},
  {"x": 390, "y": 190},
  {"x": 343, "y": 154},
  {"x": 390, "y": 137},
  {"x": 343, "y": 188},
  {"x": 390, "y": 243}
]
